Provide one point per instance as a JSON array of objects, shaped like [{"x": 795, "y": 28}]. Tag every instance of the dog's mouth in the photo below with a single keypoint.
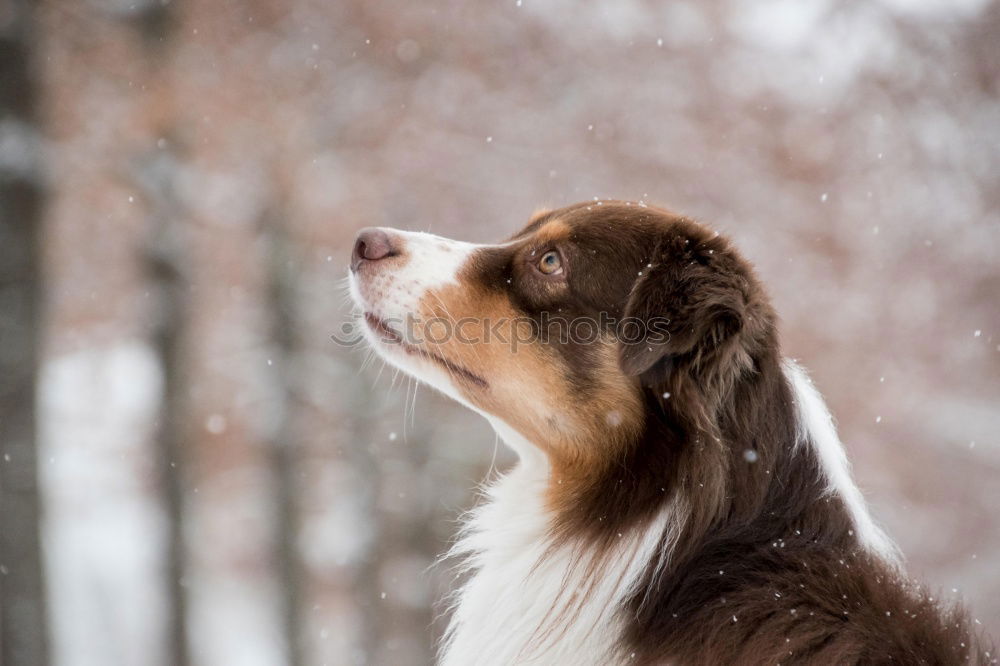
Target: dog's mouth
[{"x": 388, "y": 336}]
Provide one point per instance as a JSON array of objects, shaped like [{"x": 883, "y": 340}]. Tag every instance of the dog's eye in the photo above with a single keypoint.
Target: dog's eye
[{"x": 550, "y": 263}]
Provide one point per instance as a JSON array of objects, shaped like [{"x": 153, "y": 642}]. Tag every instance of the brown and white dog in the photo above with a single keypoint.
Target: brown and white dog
[{"x": 681, "y": 494}]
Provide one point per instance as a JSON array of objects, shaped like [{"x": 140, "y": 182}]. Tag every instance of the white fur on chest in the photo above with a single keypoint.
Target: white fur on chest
[{"x": 527, "y": 603}]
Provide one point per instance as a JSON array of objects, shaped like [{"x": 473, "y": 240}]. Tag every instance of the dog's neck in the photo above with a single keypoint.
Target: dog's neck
[{"x": 530, "y": 598}]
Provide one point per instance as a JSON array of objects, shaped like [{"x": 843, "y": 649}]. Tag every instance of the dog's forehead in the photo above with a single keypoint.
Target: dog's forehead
[
  {"x": 544, "y": 223},
  {"x": 598, "y": 222}
]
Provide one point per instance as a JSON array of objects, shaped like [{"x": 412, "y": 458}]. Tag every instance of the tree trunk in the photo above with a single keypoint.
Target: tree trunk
[
  {"x": 282, "y": 279},
  {"x": 165, "y": 264},
  {"x": 167, "y": 273},
  {"x": 23, "y": 638}
]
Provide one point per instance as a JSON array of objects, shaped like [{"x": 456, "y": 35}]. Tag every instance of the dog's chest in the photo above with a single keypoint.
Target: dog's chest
[{"x": 527, "y": 603}]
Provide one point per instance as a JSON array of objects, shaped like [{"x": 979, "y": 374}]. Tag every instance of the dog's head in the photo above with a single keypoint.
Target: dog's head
[{"x": 574, "y": 329}]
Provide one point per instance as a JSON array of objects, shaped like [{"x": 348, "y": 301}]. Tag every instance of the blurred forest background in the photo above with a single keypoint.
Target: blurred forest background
[{"x": 194, "y": 473}]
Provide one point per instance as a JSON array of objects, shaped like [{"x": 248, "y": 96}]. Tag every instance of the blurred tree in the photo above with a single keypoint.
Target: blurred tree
[
  {"x": 164, "y": 260},
  {"x": 282, "y": 284},
  {"x": 364, "y": 466},
  {"x": 168, "y": 276},
  {"x": 23, "y": 624}
]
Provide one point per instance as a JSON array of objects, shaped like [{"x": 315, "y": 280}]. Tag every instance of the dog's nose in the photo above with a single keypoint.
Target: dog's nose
[{"x": 371, "y": 245}]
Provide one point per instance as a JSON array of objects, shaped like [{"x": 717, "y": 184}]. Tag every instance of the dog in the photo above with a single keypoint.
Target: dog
[{"x": 681, "y": 495}]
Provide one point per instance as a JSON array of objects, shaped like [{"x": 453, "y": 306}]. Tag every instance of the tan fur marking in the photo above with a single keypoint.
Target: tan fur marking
[
  {"x": 553, "y": 230},
  {"x": 538, "y": 214},
  {"x": 529, "y": 386}
]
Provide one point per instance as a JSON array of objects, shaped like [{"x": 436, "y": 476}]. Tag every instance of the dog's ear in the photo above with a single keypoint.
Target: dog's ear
[{"x": 688, "y": 302}]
